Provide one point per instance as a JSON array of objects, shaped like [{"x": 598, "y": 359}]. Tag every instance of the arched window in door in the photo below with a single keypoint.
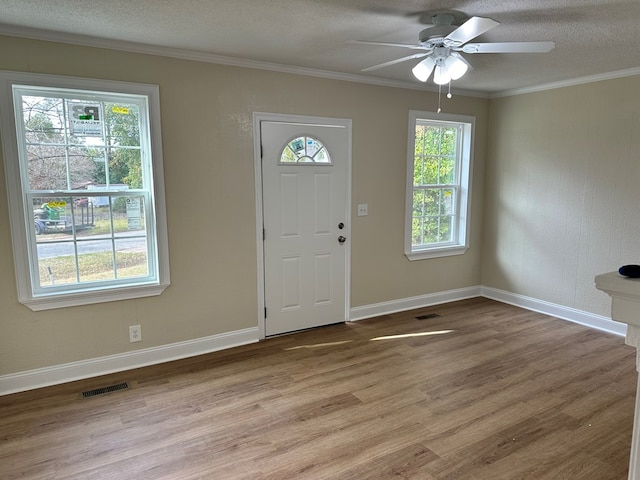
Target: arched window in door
[{"x": 305, "y": 150}]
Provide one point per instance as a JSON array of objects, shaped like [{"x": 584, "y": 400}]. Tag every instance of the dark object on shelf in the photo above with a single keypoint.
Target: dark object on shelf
[{"x": 631, "y": 271}]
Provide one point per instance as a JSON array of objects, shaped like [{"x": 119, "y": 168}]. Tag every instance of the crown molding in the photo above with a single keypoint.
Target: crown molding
[
  {"x": 196, "y": 56},
  {"x": 630, "y": 72},
  {"x": 204, "y": 57}
]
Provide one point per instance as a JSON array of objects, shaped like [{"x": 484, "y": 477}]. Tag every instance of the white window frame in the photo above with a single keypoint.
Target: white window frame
[
  {"x": 462, "y": 184},
  {"x": 21, "y": 217}
]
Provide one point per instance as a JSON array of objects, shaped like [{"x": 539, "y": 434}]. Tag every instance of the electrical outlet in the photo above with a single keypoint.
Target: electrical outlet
[
  {"x": 135, "y": 333},
  {"x": 363, "y": 209}
]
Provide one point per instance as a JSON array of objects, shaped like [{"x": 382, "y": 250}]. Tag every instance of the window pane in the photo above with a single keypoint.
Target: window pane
[
  {"x": 47, "y": 167},
  {"x": 447, "y": 202},
  {"x": 431, "y": 230},
  {"x": 44, "y": 121},
  {"x": 312, "y": 146},
  {"x": 52, "y": 218},
  {"x": 417, "y": 230},
  {"x": 447, "y": 170},
  {"x": 122, "y": 124},
  {"x": 128, "y": 216},
  {"x": 135, "y": 211},
  {"x": 446, "y": 229},
  {"x": 85, "y": 166},
  {"x": 83, "y": 216},
  {"x": 418, "y": 203},
  {"x": 131, "y": 258},
  {"x": 432, "y": 176},
  {"x": 56, "y": 264},
  {"x": 448, "y": 140},
  {"x": 432, "y": 202},
  {"x": 95, "y": 260},
  {"x": 295, "y": 147},
  {"x": 288, "y": 156},
  {"x": 426, "y": 170},
  {"x": 125, "y": 168},
  {"x": 322, "y": 156},
  {"x": 428, "y": 139}
]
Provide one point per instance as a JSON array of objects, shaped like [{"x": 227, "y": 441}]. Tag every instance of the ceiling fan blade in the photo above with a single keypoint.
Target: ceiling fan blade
[
  {"x": 469, "y": 30},
  {"x": 390, "y": 44},
  {"x": 397, "y": 60},
  {"x": 509, "y": 47}
]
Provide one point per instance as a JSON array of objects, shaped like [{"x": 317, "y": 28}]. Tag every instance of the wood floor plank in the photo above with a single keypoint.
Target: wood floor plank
[{"x": 481, "y": 391}]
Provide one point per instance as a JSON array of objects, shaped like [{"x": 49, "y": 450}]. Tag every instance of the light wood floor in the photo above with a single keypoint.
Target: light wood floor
[{"x": 484, "y": 391}]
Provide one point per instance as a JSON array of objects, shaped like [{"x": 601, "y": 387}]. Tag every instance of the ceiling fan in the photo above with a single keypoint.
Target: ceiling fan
[{"x": 442, "y": 45}]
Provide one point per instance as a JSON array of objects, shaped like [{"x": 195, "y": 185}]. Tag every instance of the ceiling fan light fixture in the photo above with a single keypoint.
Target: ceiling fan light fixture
[
  {"x": 423, "y": 70},
  {"x": 440, "y": 47},
  {"x": 456, "y": 67},
  {"x": 441, "y": 76}
]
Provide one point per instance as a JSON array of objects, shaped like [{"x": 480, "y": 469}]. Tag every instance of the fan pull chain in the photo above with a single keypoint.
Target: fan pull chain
[{"x": 449, "y": 95}]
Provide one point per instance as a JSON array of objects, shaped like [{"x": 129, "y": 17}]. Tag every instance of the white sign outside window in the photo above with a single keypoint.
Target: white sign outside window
[
  {"x": 85, "y": 120},
  {"x": 133, "y": 213}
]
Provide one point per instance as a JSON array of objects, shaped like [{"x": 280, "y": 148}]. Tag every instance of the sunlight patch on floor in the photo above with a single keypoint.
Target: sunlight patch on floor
[
  {"x": 319, "y": 345},
  {"x": 409, "y": 335}
]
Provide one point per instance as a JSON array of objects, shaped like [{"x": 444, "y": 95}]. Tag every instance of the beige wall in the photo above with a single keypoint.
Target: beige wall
[
  {"x": 208, "y": 158},
  {"x": 562, "y": 199}
]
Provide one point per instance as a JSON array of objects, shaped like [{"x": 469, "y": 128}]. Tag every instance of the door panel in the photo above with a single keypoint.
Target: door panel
[{"x": 305, "y": 264}]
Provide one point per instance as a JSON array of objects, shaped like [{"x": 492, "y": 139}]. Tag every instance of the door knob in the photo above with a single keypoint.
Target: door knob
[{"x": 342, "y": 239}]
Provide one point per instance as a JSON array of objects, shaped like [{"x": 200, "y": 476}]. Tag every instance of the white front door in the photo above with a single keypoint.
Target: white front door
[{"x": 305, "y": 173}]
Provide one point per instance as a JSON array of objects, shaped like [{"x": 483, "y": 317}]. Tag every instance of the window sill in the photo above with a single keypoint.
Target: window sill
[
  {"x": 436, "y": 252},
  {"x": 88, "y": 298}
]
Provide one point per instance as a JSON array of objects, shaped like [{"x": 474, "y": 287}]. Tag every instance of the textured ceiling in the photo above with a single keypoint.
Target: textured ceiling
[{"x": 592, "y": 36}]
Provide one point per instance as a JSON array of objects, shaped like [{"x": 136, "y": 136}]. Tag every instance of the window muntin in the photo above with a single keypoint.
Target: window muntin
[
  {"x": 438, "y": 163},
  {"x": 305, "y": 150},
  {"x": 90, "y": 183}
]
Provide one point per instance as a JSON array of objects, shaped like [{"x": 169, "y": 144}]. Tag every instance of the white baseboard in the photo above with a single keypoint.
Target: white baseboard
[
  {"x": 393, "y": 306},
  {"x": 587, "y": 319},
  {"x": 68, "y": 372},
  {"x": 57, "y": 374}
]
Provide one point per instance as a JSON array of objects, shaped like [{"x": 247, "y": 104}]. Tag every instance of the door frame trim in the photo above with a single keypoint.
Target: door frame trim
[{"x": 258, "y": 118}]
